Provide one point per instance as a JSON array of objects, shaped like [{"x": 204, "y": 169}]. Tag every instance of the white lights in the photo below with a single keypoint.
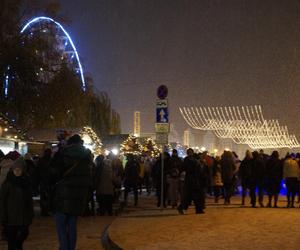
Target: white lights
[
  {"x": 244, "y": 125},
  {"x": 115, "y": 151},
  {"x": 47, "y": 19}
]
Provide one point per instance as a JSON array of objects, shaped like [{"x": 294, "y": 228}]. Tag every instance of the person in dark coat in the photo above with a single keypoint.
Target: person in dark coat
[
  {"x": 257, "y": 179},
  {"x": 245, "y": 174},
  {"x": 228, "y": 169},
  {"x": 274, "y": 174},
  {"x": 131, "y": 178},
  {"x": 16, "y": 206},
  {"x": 44, "y": 174},
  {"x": 71, "y": 170},
  {"x": 195, "y": 183}
]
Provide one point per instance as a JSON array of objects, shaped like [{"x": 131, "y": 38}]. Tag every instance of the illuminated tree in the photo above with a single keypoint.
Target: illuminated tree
[
  {"x": 131, "y": 146},
  {"x": 91, "y": 140},
  {"x": 150, "y": 148}
]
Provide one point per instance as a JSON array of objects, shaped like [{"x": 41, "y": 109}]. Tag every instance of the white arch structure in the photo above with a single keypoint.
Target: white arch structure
[
  {"x": 39, "y": 19},
  {"x": 244, "y": 125}
]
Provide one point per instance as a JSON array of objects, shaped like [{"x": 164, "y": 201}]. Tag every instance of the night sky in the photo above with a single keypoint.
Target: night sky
[{"x": 208, "y": 52}]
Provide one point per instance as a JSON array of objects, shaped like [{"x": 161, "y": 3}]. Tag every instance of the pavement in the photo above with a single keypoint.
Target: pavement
[
  {"x": 43, "y": 236},
  {"x": 221, "y": 227},
  {"x": 148, "y": 227}
]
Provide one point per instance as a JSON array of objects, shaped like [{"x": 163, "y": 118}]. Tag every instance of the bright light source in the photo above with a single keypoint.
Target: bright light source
[
  {"x": 115, "y": 151},
  {"x": 6, "y": 129},
  {"x": 227, "y": 149},
  {"x": 216, "y": 150},
  {"x": 203, "y": 149},
  {"x": 106, "y": 152},
  {"x": 16, "y": 137}
]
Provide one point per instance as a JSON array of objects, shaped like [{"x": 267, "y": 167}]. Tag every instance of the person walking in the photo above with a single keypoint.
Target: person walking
[
  {"x": 16, "y": 205},
  {"x": 245, "y": 174},
  {"x": 105, "y": 188},
  {"x": 291, "y": 174},
  {"x": 274, "y": 171},
  {"x": 71, "y": 172},
  {"x": 195, "y": 183},
  {"x": 228, "y": 168},
  {"x": 257, "y": 179},
  {"x": 131, "y": 180},
  {"x": 217, "y": 178}
]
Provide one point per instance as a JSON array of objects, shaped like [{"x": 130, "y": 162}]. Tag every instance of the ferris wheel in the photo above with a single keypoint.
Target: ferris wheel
[{"x": 63, "y": 41}]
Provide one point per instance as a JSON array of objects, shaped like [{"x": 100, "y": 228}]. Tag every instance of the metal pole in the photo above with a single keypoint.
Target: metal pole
[{"x": 162, "y": 180}]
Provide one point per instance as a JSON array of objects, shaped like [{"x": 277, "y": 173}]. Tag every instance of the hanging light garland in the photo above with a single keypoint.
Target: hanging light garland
[{"x": 244, "y": 125}]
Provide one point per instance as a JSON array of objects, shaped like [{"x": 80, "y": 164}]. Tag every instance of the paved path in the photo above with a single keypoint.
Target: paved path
[
  {"x": 43, "y": 235},
  {"x": 221, "y": 227}
]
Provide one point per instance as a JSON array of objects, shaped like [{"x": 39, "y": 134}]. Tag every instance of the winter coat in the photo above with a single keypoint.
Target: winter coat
[
  {"x": 258, "y": 170},
  {"x": 228, "y": 168},
  {"x": 274, "y": 170},
  {"x": 132, "y": 170},
  {"x": 16, "y": 204},
  {"x": 73, "y": 178},
  {"x": 245, "y": 170},
  {"x": 291, "y": 169},
  {"x": 196, "y": 174},
  {"x": 104, "y": 183},
  {"x": 217, "y": 174},
  {"x": 176, "y": 163},
  {"x": 5, "y": 166}
]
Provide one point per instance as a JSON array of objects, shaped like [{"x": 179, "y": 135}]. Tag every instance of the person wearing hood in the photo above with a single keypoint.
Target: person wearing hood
[
  {"x": 71, "y": 173},
  {"x": 16, "y": 205},
  {"x": 6, "y": 164}
]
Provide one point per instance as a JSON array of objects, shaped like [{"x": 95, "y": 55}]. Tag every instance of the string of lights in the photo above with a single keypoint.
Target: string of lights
[{"x": 244, "y": 125}]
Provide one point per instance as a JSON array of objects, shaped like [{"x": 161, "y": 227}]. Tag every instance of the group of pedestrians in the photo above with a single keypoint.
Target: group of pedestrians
[{"x": 70, "y": 183}]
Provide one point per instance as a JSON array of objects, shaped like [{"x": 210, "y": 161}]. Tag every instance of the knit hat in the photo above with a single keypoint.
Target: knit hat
[{"x": 19, "y": 163}]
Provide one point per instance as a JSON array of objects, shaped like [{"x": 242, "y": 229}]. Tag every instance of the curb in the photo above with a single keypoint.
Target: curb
[{"x": 106, "y": 241}]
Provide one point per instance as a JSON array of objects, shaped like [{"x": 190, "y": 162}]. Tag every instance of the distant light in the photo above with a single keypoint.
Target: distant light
[
  {"x": 16, "y": 137},
  {"x": 41, "y": 69},
  {"x": 6, "y": 129},
  {"x": 115, "y": 151},
  {"x": 216, "y": 150},
  {"x": 227, "y": 149},
  {"x": 106, "y": 152},
  {"x": 203, "y": 149}
]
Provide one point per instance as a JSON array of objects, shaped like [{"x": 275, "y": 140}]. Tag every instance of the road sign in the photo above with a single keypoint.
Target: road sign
[
  {"x": 162, "y": 138},
  {"x": 162, "y": 103},
  {"x": 162, "y": 127},
  {"x": 162, "y": 92},
  {"x": 162, "y": 115}
]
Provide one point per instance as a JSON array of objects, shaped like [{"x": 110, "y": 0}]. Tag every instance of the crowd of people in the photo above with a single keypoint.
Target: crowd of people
[{"x": 73, "y": 182}]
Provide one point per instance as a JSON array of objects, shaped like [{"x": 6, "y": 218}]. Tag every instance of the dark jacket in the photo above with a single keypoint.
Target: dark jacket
[
  {"x": 131, "y": 172},
  {"x": 274, "y": 170},
  {"x": 71, "y": 168},
  {"x": 16, "y": 205},
  {"x": 258, "y": 170},
  {"x": 228, "y": 168},
  {"x": 245, "y": 170},
  {"x": 196, "y": 174}
]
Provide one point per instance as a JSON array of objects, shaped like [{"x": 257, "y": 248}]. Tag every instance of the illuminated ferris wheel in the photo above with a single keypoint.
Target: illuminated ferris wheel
[{"x": 57, "y": 35}]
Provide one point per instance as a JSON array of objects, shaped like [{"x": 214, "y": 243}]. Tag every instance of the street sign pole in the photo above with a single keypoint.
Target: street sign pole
[
  {"x": 162, "y": 130},
  {"x": 162, "y": 180}
]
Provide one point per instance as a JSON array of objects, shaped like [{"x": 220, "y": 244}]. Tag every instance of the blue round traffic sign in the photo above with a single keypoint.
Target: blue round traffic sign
[{"x": 162, "y": 92}]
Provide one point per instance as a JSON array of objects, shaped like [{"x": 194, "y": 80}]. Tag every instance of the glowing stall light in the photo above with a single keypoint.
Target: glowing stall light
[{"x": 42, "y": 18}]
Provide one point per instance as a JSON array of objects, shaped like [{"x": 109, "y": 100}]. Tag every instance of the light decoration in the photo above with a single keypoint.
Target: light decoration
[
  {"x": 150, "y": 148},
  {"x": 244, "y": 125},
  {"x": 40, "y": 19},
  {"x": 91, "y": 140},
  {"x": 131, "y": 146}
]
